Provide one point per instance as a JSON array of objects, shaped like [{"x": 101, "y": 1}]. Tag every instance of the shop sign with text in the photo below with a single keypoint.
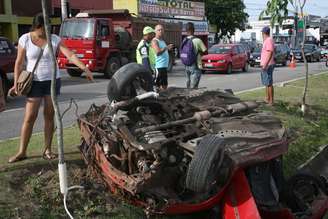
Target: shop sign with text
[{"x": 171, "y": 8}]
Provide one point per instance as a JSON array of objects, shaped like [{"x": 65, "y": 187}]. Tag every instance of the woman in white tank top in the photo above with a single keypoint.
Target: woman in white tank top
[{"x": 29, "y": 47}]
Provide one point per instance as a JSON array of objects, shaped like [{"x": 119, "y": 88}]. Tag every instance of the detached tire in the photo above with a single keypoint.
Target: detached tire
[
  {"x": 74, "y": 72},
  {"x": 205, "y": 166},
  {"x": 121, "y": 87},
  {"x": 113, "y": 64}
]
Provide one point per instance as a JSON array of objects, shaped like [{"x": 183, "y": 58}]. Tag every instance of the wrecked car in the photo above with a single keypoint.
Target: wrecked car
[{"x": 186, "y": 150}]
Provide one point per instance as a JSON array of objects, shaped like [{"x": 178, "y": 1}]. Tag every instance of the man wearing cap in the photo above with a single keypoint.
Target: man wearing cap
[
  {"x": 267, "y": 64},
  {"x": 145, "y": 55}
]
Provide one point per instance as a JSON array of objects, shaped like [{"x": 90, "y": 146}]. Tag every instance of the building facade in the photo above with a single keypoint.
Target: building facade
[
  {"x": 175, "y": 11},
  {"x": 16, "y": 18}
]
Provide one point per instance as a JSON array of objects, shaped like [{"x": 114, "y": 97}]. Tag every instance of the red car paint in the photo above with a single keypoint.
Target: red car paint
[
  {"x": 91, "y": 51},
  {"x": 7, "y": 61},
  {"x": 238, "y": 200},
  {"x": 223, "y": 56},
  {"x": 7, "y": 56}
]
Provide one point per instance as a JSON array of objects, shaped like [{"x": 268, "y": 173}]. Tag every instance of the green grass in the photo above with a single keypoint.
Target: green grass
[
  {"x": 306, "y": 134},
  {"x": 9, "y": 147}
]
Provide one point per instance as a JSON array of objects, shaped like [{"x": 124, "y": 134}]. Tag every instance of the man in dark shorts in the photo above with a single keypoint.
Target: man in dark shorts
[
  {"x": 162, "y": 57},
  {"x": 267, "y": 64},
  {"x": 161, "y": 78}
]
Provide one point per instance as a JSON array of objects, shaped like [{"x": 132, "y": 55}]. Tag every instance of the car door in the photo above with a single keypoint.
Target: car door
[
  {"x": 7, "y": 56},
  {"x": 235, "y": 57},
  {"x": 278, "y": 53},
  {"x": 103, "y": 38},
  {"x": 317, "y": 52},
  {"x": 243, "y": 56},
  {"x": 284, "y": 53}
]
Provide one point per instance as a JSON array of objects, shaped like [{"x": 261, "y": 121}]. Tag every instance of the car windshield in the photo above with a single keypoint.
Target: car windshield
[
  {"x": 308, "y": 47},
  {"x": 257, "y": 49},
  {"x": 77, "y": 29},
  {"x": 219, "y": 50},
  {"x": 5, "y": 48}
]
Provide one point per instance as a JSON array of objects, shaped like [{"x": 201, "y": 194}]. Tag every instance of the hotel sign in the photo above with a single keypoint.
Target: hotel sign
[{"x": 171, "y": 8}]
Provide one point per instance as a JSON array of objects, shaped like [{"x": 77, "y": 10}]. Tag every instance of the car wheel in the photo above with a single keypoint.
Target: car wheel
[
  {"x": 301, "y": 190},
  {"x": 113, "y": 64},
  {"x": 284, "y": 63},
  {"x": 74, "y": 72},
  {"x": 229, "y": 68},
  {"x": 128, "y": 81},
  {"x": 245, "y": 68},
  {"x": 5, "y": 86},
  {"x": 205, "y": 166}
]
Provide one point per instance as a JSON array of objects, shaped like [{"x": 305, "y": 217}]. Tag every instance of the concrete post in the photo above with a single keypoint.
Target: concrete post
[
  {"x": 8, "y": 7},
  {"x": 64, "y": 9}
]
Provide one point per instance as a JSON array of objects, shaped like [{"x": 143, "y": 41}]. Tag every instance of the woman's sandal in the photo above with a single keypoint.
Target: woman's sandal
[
  {"x": 49, "y": 155},
  {"x": 16, "y": 158}
]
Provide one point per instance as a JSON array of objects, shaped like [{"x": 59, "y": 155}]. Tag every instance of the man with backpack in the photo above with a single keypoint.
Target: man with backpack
[{"x": 191, "y": 52}]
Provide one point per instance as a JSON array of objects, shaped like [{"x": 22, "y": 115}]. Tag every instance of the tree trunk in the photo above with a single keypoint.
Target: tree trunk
[
  {"x": 59, "y": 122},
  {"x": 304, "y": 106}
]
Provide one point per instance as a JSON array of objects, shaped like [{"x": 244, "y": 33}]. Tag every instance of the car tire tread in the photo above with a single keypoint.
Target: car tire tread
[{"x": 210, "y": 151}]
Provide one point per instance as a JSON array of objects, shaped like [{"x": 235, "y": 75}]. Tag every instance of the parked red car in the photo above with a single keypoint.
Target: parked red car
[
  {"x": 225, "y": 57},
  {"x": 7, "y": 61}
]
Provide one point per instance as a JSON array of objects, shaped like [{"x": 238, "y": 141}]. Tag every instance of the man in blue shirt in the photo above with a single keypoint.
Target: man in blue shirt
[{"x": 162, "y": 57}]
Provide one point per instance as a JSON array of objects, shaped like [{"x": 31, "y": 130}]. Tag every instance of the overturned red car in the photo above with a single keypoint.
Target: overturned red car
[{"x": 183, "y": 150}]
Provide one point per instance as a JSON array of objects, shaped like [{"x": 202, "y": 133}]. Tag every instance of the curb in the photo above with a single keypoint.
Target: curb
[
  {"x": 280, "y": 84},
  {"x": 33, "y": 134}
]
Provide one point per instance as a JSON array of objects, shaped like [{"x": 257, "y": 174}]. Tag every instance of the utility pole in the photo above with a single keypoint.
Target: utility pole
[
  {"x": 64, "y": 9},
  {"x": 296, "y": 25}
]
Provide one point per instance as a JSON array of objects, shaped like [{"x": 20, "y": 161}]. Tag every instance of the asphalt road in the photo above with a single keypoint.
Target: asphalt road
[{"x": 86, "y": 93}]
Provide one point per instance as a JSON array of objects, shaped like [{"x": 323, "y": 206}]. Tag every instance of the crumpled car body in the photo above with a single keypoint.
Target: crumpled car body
[{"x": 183, "y": 150}]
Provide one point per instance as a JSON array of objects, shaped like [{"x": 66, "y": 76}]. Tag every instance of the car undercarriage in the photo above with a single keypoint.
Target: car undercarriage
[{"x": 179, "y": 150}]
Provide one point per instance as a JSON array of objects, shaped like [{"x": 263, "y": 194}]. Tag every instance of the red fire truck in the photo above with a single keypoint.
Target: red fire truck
[{"x": 105, "y": 40}]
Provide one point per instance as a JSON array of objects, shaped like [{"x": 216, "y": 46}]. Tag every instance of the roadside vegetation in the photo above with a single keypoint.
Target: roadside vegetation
[
  {"x": 308, "y": 132},
  {"x": 30, "y": 189}
]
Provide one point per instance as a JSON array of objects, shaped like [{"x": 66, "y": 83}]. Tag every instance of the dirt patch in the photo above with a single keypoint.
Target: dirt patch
[{"x": 33, "y": 192}]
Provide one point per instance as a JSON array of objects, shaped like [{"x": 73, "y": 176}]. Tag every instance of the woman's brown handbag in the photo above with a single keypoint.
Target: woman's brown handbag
[{"x": 25, "y": 79}]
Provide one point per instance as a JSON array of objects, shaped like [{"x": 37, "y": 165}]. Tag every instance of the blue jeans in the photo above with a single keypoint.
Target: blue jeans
[
  {"x": 193, "y": 74},
  {"x": 266, "y": 76}
]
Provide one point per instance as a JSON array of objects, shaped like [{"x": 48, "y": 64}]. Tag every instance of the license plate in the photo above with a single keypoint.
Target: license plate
[
  {"x": 79, "y": 55},
  {"x": 209, "y": 65},
  {"x": 298, "y": 57}
]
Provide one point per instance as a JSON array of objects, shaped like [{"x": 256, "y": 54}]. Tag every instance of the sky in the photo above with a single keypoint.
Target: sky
[{"x": 314, "y": 7}]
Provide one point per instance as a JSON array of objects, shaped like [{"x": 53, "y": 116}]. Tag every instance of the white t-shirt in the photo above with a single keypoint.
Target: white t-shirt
[{"x": 43, "y": 71}]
